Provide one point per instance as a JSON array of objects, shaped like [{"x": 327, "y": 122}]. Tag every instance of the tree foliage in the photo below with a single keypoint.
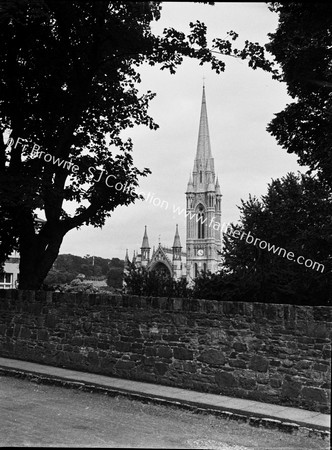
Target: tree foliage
[
  {"x": 141, "y": 281},
  {"x": 115, "y": 277},
  {"x": 302, "y": 46},
  {"x": 241, "y": 286},
  {"x": 68, "y": 77},
  {"x": 294, "y": 215},
  {"x": 66, "y": 267}
]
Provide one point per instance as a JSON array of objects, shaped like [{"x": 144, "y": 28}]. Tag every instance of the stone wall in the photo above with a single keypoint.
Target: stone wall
[{"x": 267, "y": 352}]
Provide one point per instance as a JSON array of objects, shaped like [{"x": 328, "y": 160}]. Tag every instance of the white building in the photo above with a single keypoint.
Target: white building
[{"x": 9, "y": 278}]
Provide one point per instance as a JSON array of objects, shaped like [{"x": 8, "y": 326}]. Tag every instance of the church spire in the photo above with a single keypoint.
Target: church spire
[
  {"x": 145, "y": 242},
  {"x": 203, "y": 172},
  {"x": 177, "y": 242},
  {"x": 127, "y": 256},
  {"x": 145, "y": 249},
  {"x": 176, "y": 246},
  {"x": 203, "y": 204},
  {"x": 203, "y": 144}
]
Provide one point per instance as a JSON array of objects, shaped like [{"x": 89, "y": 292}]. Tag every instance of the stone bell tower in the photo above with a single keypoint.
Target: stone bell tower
[{"x": 203, "y": 208}]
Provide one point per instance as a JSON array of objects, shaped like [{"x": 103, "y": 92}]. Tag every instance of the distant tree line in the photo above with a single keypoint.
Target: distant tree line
[{"x": 67, "y": 267}]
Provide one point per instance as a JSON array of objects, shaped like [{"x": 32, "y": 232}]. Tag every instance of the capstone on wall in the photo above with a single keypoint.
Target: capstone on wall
[{"x": 266, "y": 352}]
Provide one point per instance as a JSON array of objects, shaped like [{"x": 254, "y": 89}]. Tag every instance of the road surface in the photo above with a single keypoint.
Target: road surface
[{"x": 39, "y": 415}]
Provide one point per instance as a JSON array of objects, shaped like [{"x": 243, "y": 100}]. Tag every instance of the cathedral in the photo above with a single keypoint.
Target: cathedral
[{"x": 203, "y": 215}]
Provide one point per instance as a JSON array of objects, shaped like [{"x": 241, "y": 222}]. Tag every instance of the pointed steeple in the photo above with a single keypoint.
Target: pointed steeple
[
  {"x": 203, "y": 204},
  {"x": 126, "y": 263},
  {"x": 145, "y": 242},
  {"x": 203, "y": 144},
  {"x": 145, "y": 249},
  {"x": 126, "y": 257},
  {"x": 176, "y": 246},
  {"x": 177, "y": 242},
  {"x": 203, "y": 172}
]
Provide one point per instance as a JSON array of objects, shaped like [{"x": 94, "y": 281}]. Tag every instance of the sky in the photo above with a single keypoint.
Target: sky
[{"x": 240, "y": 104}]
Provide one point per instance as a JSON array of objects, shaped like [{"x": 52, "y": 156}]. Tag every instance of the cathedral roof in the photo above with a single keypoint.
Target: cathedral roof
[
  {"x": 145, "y": 242},
  {"x": 160, "y": 255}
]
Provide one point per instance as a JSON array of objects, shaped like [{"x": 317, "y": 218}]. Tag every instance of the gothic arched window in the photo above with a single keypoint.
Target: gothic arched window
[
  {"x": 200, "y": 177},
  {"x": 200, "y": 222}
]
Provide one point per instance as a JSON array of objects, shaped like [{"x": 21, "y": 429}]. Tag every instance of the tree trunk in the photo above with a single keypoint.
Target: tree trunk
[{"x": 36, "y": 259}]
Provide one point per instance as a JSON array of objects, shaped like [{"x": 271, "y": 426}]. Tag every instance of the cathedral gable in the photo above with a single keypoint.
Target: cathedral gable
[{"x": 160, "y": 256}]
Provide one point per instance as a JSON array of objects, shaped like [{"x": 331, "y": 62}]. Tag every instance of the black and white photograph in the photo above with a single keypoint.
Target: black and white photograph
[{"x": 165, "y": 224}]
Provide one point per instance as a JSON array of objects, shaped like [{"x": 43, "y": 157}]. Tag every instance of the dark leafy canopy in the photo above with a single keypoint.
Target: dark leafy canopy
[
  {"x": 68, "y": 78},
  {"x": 67, "y": 267},
  {"x": 140, "y": 281},
  {"x": 302, "y": 45},
  {"x": 115, "y": 277},
  {"x": 295, "y": 215}
]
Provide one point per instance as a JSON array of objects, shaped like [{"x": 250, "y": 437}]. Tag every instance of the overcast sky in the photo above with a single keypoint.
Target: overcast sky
[{"x": 240, "y": 104}]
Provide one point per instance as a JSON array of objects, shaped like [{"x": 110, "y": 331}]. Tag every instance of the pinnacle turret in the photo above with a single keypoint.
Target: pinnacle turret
[
  {"x": 145, "y": 242},
  {"x": 177, "y": 246},
  {"x": 177, "y": 242},
  {"x": 190, "y": 185},
  {"x": 126, "y": 257},
  {"x": 218, "y": 187},
  {"x": 145, "y": 249}
]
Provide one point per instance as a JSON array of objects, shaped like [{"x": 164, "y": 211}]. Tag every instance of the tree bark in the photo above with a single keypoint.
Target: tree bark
[{"x": 37, "y": 256}]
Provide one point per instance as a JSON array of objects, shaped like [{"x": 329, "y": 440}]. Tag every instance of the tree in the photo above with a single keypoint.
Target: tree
[
  {"x": 296, "y": 212},
  {"x": 67, "y": 267},
  {"x": 114, "y": 277},
  {"x": 294, "y": 215},
  {"x": 302, "y": 45},
  {"x": 240, "y": 286},
  {"x": 68, "y": 80},
  {"x": 141, "y": 281}
]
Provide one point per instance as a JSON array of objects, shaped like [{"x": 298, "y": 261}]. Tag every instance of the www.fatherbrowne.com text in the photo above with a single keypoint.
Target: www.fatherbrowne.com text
[{"x": 156, "y": 201}]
